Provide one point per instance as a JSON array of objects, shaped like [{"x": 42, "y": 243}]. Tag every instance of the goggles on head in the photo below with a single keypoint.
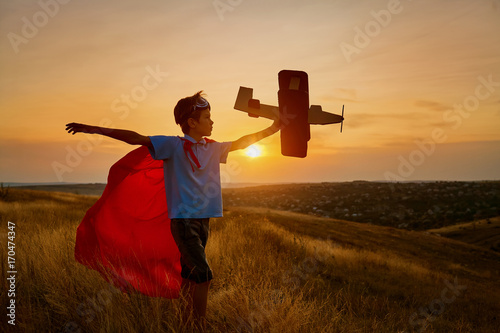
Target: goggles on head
[{"x": 201, "y": 103}]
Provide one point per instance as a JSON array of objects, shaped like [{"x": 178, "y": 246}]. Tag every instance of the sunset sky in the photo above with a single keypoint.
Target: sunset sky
[{"x": 420, "y": 81}]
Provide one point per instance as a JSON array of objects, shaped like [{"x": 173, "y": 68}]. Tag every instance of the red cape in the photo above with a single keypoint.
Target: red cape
[{"x": 126, "y": 236}]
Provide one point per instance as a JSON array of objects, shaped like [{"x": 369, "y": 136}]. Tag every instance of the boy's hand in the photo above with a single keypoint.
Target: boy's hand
[
  {"x": 276, "y": 126},
  {"x": 74, "y": 128}
]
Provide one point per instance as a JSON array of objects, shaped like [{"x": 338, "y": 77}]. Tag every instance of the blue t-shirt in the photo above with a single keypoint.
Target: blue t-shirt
[{"x": 191, "y": 194}]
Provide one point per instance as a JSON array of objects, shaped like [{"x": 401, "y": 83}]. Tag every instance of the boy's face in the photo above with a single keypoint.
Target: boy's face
[{"x": 203, "y": 126}]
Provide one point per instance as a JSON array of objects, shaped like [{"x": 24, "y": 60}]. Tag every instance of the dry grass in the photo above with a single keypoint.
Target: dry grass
[
  {"x": 484, "y": 233},
  {"x": 274, "y": 272}
]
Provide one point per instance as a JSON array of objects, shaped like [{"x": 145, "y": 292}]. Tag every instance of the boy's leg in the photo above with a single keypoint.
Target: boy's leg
[
  {"x": 191, "y": 237},
  {"x": 187, "y": 291},
  {"x": 194, "y": 302},
  {"x": 200, "y": 300}
]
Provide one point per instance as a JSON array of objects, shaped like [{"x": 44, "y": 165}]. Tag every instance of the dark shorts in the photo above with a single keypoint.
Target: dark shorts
[{"x": 191, "y": 237}]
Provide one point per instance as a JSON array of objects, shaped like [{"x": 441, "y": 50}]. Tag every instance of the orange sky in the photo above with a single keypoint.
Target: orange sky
[{"x": 420, "y": 81}]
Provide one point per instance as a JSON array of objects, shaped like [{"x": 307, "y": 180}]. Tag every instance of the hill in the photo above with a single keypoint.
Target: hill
[
  {"x": 484, "y": 233},
  {"x": 408, "y": 205},
  {"x": 85, "y": 189},
  {"x": 275, "y": 271},
  {"x": 411, "y": 205}
]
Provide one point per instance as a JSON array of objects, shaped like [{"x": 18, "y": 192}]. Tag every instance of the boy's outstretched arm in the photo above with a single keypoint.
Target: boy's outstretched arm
[
  {"x": 126, "y": 136},
  {"x": 250, "y": 139}
]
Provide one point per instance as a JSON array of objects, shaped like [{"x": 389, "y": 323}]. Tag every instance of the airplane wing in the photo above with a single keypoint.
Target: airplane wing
[
  {"x": 246, "y": 103},
  {"x": 317, "y": 116}
]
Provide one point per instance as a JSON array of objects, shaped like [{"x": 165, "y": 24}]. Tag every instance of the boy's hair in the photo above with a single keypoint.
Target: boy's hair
[{"x": 190, "y": 107}]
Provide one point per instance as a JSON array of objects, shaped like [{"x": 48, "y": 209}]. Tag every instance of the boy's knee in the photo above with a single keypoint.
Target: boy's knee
[{"x": 203, "y": 277}]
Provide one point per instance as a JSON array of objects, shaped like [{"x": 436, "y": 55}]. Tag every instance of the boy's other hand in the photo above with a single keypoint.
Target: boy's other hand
[
  {"x": 276, "y": 126},
  {"x": 74, "y": 128}
]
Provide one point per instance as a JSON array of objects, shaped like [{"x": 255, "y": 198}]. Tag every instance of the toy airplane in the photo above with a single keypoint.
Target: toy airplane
[{"x": 293, "y": 111}]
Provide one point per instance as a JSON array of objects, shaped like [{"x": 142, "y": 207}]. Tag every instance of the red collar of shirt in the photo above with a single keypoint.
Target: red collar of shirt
[{"x": 188, "y": 143}]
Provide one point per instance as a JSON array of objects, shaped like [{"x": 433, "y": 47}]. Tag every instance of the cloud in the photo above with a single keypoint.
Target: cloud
[
  {"x": 434, "y": 106},
  {"x": 360, "y": 120},
  {"x": 343, "y": 94},
  {"x": 79, "y": 159}
]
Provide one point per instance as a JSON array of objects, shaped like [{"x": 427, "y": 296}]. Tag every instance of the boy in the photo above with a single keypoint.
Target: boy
[{"x": 192, "y": 186}]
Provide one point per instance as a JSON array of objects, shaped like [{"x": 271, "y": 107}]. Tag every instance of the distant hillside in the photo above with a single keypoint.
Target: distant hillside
[
  {"x": 415, "y": 206},
  {"x": 408, "y": 205},
  {"x": 85, "y": 189},
  {"x": 275, "y": 271},
  {"x": 484, "y": 233},
  {"x": 93, "y": 189}
]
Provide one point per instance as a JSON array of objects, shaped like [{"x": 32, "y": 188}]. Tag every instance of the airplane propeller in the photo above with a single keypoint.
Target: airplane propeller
[{"x": 342, "y": 122}]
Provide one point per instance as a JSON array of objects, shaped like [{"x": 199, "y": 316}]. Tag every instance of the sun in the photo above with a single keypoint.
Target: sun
[{"x": 253, "y": 151}]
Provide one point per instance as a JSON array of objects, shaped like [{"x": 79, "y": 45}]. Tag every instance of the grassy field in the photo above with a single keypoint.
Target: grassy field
[
  {"x": 274, "y": 271},
  {"x": 484, "y": 233}
]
